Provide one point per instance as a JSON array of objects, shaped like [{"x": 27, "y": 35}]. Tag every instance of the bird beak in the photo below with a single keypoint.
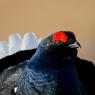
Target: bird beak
[{"x": 75, "y": 45}]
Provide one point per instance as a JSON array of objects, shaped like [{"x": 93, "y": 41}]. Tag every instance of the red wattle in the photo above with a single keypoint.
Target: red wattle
[{"x": 60, "y": 36}]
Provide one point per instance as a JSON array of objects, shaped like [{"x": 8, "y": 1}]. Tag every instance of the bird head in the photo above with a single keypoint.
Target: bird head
[
  {"x": 62, "y": 43},
  {"x": 66, "y": 38}
]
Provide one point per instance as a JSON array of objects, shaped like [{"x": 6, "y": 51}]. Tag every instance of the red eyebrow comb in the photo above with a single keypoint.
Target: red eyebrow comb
[{"x": 60, "y": 36}]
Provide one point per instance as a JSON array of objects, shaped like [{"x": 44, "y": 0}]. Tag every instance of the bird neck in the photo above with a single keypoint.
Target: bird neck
[{"x": 46, "y": 61}]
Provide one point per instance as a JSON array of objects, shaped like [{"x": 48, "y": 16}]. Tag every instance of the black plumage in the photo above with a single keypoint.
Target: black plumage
[
  {"x": 86, "y": 73},
  {"x": 10, "y": 69},
  {"x": 52, "y": 70},
  {"x": 15, "y": 59},
  {"x": 85, "y": 70}
]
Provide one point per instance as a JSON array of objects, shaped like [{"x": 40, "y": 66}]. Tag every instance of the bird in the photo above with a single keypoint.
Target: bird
[
  {"x": 13, "y": 65},
  {"x": 52, "y": 69}
]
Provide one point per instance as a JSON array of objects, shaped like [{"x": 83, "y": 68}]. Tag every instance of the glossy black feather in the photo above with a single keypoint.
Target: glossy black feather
[
  {"x": 15, "y": 59},
  {"x": 85, "y": 69},
  {"x": 48, "y": 72}
]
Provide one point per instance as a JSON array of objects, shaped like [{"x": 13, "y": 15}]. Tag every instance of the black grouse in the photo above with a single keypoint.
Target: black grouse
[
  {"x": 52, "y": 69},
  {"x": 12, "y": 66}
]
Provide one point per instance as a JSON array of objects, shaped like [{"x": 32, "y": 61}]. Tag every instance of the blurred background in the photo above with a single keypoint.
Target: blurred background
[{"x": 47, "y": 16}]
